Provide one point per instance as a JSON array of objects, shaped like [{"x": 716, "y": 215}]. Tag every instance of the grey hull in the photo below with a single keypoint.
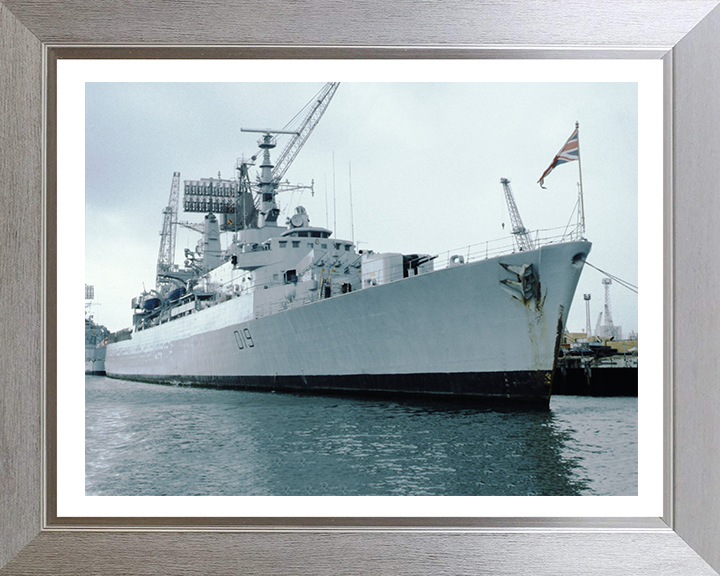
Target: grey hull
[{"x": 463, "y": 331}]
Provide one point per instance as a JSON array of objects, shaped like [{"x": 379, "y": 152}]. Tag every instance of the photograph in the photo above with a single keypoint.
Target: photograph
[{"x": 361, "y": 288}]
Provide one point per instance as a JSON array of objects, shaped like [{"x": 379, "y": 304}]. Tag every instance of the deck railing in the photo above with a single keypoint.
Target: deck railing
[{"x": 507, "y": 245}]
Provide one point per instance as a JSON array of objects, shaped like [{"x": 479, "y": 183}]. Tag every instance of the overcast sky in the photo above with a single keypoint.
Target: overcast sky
[{"x": 426, "y": 166}]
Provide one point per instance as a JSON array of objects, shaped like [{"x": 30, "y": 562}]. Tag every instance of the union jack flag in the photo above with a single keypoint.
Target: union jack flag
[{"x": 568, "y": 153}]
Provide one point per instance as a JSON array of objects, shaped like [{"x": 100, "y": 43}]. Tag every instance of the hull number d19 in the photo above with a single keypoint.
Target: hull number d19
[{"x": 243, "y": 339}]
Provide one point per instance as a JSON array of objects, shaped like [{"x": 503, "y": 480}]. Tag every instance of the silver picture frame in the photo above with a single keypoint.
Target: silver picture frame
[{"x": 685, "y": 34}]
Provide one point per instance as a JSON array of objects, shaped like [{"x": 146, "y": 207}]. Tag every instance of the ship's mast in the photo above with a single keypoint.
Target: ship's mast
[
  {"x": 232, "y": 201},
  {"x": 269, "y": 211},
  {"x": 271, "y": 175}
]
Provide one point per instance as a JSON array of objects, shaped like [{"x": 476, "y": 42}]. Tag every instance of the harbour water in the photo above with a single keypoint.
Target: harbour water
[{"x": 145, "y": 439}]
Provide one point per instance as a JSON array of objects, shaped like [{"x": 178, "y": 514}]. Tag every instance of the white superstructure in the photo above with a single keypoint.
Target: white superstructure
[{"x": 292, "y": 308}]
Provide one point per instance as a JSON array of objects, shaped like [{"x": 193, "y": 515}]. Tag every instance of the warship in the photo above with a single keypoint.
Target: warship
[
  {"x": 290, "y": 307},
  {"x": 95, "y": 338}
]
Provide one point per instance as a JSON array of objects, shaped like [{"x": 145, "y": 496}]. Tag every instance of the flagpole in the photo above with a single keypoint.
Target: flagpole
[{"x": 582, "y": 202}]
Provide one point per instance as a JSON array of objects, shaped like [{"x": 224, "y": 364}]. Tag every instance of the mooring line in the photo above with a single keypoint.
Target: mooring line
[{"x": 618, "y": 280}]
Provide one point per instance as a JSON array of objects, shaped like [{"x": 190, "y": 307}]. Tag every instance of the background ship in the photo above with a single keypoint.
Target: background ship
[
  {"x": 95, "y": 338},
  {"x": 293, "y": 308}
]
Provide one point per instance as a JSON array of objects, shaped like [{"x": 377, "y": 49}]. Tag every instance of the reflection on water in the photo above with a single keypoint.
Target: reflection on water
[{"x": 144, "y": 439}]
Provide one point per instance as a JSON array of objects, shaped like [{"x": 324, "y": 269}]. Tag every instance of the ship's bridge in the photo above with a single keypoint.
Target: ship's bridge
[{"x": 308, "y": 232}]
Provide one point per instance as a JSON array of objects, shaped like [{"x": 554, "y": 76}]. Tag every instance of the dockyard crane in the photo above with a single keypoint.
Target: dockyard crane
[
  {"x": 521, "y": 233},
  {"x": 166, "y": 256},
  {"x": 197, "y": 226},
  {"x": 316, "y": 109}
]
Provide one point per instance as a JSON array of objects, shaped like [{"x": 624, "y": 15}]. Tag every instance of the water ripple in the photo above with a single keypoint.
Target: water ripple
[{"x": 146, "y": 439}]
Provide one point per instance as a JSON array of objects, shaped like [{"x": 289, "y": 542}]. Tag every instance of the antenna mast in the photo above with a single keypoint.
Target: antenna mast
[
  {"x": 271, "y": 175},
  {"x": 352, "y": 220}
]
